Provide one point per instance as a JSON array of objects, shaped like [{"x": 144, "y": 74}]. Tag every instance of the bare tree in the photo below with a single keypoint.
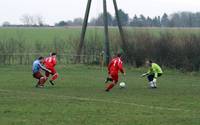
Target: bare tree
[
  {"x": 30, "y": 20},
  {"x": 6, "y": 23},
  {"x": 25, "y": 19},
  {"x": 39, "y": 20}
]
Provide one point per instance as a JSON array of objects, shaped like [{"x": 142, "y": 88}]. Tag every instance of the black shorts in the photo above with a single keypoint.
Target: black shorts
[{"x": 152, "y": 76}]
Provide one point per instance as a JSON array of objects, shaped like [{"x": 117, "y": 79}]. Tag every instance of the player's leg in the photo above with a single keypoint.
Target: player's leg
[
  {"x": 108, "y": 79},
  {"x": 54, "y": 76},
  {"x": 47, "y": 74},
  {"x": 113, "y": 83},
  {"x": 155, "y": 80},
  {"x": 155, "y": 83},
  {"x": 37, "y": 76},
  {"x": 41, "y": 79},
  {"x": 150, "y": 79}
]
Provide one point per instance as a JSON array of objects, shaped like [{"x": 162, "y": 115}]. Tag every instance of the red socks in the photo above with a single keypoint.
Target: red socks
[
  {"x": 55, "y": 76},
  {"x": 110, "y": 86},
  {"x": 42, "y": 80}
]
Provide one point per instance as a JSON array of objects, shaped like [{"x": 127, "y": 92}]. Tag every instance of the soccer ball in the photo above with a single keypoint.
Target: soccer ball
[{"x": 122, "y": 84}]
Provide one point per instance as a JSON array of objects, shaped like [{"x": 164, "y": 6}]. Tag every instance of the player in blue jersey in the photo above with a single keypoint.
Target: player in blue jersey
[{"x": 37, "y": 67}]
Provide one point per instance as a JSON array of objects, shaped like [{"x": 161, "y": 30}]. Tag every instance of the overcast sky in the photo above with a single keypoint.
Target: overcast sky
[{"x": 56, "y": 10}]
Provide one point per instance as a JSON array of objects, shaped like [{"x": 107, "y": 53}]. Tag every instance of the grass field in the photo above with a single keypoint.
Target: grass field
[{"x": 79, "y": 99}]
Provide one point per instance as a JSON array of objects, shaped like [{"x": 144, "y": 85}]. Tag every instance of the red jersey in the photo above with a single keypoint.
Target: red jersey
[
  {"x": 50, "y": 62},
  {"x": 115, "y": 66}
]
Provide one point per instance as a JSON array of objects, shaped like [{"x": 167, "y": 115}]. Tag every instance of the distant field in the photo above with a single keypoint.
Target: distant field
[
  {"x": 48, "y": 35},
  {"x": 45, "y": 35},
  {"x": 40, "y": 40},
  {"x": 172, "y": 47},
  {"x": 79, "y": 98},
  {"x": 38, "y": 34}
]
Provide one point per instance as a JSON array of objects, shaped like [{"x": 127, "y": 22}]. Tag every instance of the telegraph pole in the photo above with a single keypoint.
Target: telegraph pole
[
  {"x": 107, "y": 46},
  {"x": 119, "y": 25},
  {"x": 84, "y": 28},
  {"x": 106, "y": 41}
]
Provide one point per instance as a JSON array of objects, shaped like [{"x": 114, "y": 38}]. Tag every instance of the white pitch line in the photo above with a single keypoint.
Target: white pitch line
[
  {"x": 123, "y": 103},
  {"x": 102, "y": 100}
]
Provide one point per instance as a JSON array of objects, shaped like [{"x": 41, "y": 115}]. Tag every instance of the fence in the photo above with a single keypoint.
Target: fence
[{"x": 28, "y": 58}]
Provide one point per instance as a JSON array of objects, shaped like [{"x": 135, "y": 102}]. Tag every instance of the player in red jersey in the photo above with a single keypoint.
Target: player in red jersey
[
  {"x": 50, "y": 63},
  {"x": 114, "y": 67}
]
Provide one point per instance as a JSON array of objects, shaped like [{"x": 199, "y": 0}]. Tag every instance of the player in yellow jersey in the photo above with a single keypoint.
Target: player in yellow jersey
[{"x": 153, "y": 73}]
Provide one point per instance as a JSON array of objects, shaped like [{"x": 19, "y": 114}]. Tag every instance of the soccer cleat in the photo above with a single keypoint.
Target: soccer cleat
[
  {"x": 39, "y": 86},
  {"x": 154, "y": 87},
  {"x": 51, "y": 82},
  {"x": 107, "y": 90}
]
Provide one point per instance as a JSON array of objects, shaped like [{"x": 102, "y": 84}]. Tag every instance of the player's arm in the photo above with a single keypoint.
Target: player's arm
[
  {"x": 54, "y": 62},
  {"x": 155, "y": 72},
  {"x": 109, "y": 65},
  {"x": 156, "y": 75},
  {"x": 43, "y": 68},
  {"x": 147, "y": 73},
  {"x": 144, "y": 74},
  {"x": 121, "y": 68}
]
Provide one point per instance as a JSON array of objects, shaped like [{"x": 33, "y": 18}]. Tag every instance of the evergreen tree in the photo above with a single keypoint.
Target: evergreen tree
[{"x": 165, "y": 20}]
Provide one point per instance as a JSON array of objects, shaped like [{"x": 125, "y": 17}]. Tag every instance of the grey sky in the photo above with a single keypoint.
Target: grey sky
[{"x": 56, "y": 10}]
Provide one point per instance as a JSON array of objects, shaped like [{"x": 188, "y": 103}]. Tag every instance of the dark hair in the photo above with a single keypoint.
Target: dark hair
[
  {"x": 150, "y": 61},
  {"x": 40, "y": 58},
  {"x": 53, "y": 54},
  {"x": 119, "y": 54}
]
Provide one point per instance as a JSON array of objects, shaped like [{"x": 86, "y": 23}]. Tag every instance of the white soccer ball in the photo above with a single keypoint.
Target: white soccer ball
[{"x": 122, "y": 84}]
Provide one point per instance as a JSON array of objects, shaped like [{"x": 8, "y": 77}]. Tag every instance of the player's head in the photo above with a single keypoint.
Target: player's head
[
  {"x": 53, "y": 54},
  {"x": 41, "y": 59},
  {"x": 119, "y": 55},
  {"x": 149, "y": 63}
]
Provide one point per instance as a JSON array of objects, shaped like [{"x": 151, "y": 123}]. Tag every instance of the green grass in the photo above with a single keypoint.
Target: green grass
[
  {"x": 79, "y": 99},
  {"x": 37, "y": 34},
  {"x": 48, "y": 35},
  {"x": 41, "y": 40}
]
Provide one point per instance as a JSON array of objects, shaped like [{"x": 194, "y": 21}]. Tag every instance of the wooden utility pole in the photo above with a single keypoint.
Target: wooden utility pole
[
  {"x": 120, "y": 25},
  {"x": 107, "y": 45},
  {"x": 84, "y": 28}
]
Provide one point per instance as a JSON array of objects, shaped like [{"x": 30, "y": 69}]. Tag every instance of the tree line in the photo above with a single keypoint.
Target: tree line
[
  {"x": 178, "y": 19},
  {"x": 28, "y": 21}
]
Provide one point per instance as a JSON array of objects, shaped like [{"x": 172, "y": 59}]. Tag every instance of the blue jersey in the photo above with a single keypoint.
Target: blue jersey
[{"x": 37, "y": 66}]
